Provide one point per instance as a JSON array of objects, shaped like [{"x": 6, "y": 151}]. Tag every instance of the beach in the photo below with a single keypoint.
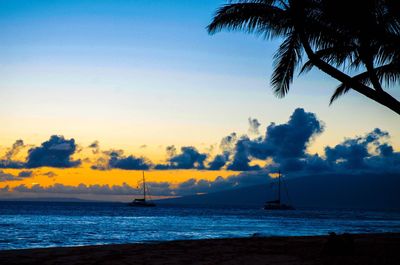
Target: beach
[{"x": 364, "y": 249}]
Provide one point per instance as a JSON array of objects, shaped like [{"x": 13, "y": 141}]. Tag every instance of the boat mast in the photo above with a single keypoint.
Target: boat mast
[
  {"x": 279, "y": 187},
  {"x": 144, "y": 187}
]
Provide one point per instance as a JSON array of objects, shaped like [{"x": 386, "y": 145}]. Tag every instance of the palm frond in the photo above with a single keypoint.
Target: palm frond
[
  {"x": 340, "y": 90},
  {"x": 251, "y": 16},
  {"x": 286, "y": 60},
  {"x": 337, "y": 56},
  {"x": 307, "y": 66},
  {"x": 389, "y": 74}
]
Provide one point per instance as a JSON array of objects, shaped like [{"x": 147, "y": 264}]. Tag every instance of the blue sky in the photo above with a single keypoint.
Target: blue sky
[{"x": 129, "y": 73}]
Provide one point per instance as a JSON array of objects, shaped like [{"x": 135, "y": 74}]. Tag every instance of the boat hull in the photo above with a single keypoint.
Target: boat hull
[{"x": 278, "y": 207}]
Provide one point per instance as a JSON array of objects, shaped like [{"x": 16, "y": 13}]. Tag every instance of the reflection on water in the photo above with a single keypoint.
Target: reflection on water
[{"x": 45, "y": 224}]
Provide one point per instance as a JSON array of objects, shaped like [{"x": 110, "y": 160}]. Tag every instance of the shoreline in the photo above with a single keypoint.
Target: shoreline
[{"x": 382, "y": 248}]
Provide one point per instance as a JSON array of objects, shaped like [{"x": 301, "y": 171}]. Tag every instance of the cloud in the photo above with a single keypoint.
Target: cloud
[
  {"x": 189, "y": 187},
  {"x": 16, "y": 147},
  {"x": 11, "y": 164},
  {"x": 241, "y": 157},
  {"x": 58, "y": 188},
  {"x": 285, "y": 143},
  {"x": 155, "y": 188},
  {"x": 254, "y": 124},
  {"x": 10, "y": 177},
  {"x": 116, "y": 159},
  {"x": 25, "y": 174},
  {"x": 95, "y": 146},
  {"x": 282, "y": 146},
  {"x": 171, "y": 151},
  {"x": 228, "y": 142},
  {"x": 226, "y": 146},
  {"x": 288, "y": 140},
  {"x": 5, "y": 189},
  {"x": 130, "y": 163},
  {"x": 219, "y": 161},
  {"x": 352, "y": 153},
  {"x": 50, "y": 174},
  {"x": 193, "y": 186},
  {"x": 188, "y": 158},
  {"x": 56, "y": 152},
  {"x": 7, "y": 177},
  {"x": 7, "y": 161},
  {"x": 370, "y": 152}
]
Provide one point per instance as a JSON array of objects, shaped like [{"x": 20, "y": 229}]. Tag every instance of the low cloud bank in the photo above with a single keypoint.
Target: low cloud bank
[
  {"x": 284, "y": 146},
  {"x": 191, "y": 186},
  {"x": 10, "y": 177}
]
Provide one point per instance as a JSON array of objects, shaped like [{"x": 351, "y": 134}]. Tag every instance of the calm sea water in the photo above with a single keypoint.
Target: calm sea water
[{"x": 50, "y": 224}]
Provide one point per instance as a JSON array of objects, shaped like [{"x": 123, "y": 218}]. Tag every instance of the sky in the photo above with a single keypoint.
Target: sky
[{"x": 142, "y": 76}]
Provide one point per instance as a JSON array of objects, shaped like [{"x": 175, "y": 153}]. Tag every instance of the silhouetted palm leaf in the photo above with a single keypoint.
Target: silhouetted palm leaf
[
  {"x": 258, "y": 17},
  {"x": 334, "y": 55},
  {"x": 341, "y": 37},
  {"x": 286, "y": 59},
  {"x": 388, "y": 74}
]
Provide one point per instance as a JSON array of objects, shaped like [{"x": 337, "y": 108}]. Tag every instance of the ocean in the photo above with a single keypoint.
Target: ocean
[{"x": 56, "y": 224}]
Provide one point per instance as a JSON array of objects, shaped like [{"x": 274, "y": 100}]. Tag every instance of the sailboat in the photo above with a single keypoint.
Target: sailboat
[
  {"x": 276, "y": 204},
  {"x": 142, "y": 202}
]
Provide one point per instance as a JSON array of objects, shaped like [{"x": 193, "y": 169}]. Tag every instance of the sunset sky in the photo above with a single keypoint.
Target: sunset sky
[{"x": 140, "y": 76}]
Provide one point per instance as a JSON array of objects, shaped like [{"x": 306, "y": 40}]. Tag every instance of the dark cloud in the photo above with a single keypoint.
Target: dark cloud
[
  {"x": 50, "y": 174},
  {"x": 352, "y": 153},
  {"x": 16, "y": 147},
  {"x": 7, "y": 161},
  {"x": 188, "y": 158},
  {"x": 385, "y": 150},
  {"x": 369, "y": 154},
  {"x": 95, "y": 146},
  {"x": 116, "y": 159},
  {"x": 366, "y": 153},
  {"x": 241, "y": 156},
  {"x": 130, "y": 162},
  {"x": 227, "y": 146},
  {"x": 219, "y": 161},
  {"x": 10, "y": 177},
  {"x": 193, "y": 186},
  {"x": 285, "y": 143},
  {"x": 56, "y": 152},
  {"x": 288, "y": 140},
  {"x": 171, "y": 151},
  {"x": 25, "y": 174},
  {"x": 11, "y": 164}
]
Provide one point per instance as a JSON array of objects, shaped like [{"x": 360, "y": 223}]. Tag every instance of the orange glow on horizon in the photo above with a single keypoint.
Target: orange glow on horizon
[{"x": 88, "y": 176}]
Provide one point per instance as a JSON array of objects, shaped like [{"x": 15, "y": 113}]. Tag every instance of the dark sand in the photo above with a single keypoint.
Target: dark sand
[{"x": 377, "y": 249}]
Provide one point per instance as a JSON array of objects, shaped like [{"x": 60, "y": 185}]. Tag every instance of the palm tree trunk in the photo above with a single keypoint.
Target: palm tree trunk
[{"x": 381, "y": 97}]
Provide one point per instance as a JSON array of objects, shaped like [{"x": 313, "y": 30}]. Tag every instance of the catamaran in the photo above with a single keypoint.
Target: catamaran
[
  {"x": 276, "y": 204},
  {"x": 142, "y": 202}
]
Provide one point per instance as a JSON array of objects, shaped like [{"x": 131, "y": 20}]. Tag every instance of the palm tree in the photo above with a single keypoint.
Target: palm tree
[{"x": 358, "y": 45}]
